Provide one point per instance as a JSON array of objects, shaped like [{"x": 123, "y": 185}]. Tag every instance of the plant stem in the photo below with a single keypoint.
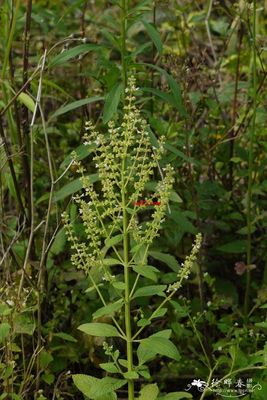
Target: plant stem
[
  {"x": 127, "y": 299},
  {"x": 250, "y": 161}
]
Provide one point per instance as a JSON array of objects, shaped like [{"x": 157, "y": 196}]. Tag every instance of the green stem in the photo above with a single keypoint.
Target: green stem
[
  {"x": 250, "y": 163},
  {"x": 127, "y": 310}
]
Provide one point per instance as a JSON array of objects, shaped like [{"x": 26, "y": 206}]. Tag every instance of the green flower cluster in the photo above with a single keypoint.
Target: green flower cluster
[
  {"x": 186, "y": 268},
  {"x": 125, "y": 160}
]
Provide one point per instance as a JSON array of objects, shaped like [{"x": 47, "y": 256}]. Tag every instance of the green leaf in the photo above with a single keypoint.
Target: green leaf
[
  {"x": 74, "y": 105},
  {"x": 109, "y": 309},
  {"x": 4, "y": 331},
  {"x": 154, "y": 35},
  {"x": 175, "y": 197},
  {"x": 72, "y": 187},
  {"x": 166, "y": 259},
  {"x": 177, "y": 95},
  {"x": 118, "y": 285},
  {"x": 159, "y": 313},
  {"x": 261, "y": 324},
  {"x": 113, "y": 240},
  {"x": 4, "y": 309},
  {"x": 131, "y": 375},
  {"x": 25, "y": 99},
  {"x": 150, "y": 291},
  {"x": 45, "y": 359},
  {"x": 149, "y": 392},
  {"x": 65, "y": 336},
  {"x": 112, "y": 102},
  {"x": 94, "y": 388},
  {"x": 99, "y": 329},
  {"x": 81, "y": 152},
  {"x": 147, "y": 271},
  {"x": 24, "y": 323},
  {"x": 176, "y": 396},
  {"x": 66, "y": 55},
  {"x": 154, "y": 345},
  {"x": 111, "y": 261},
  {"x": 234, "y": 247},
  {"x": 109, "y": 367}
]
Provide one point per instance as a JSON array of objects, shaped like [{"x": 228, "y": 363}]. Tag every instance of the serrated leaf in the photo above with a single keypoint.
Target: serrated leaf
[
  {"x": 154, "y": 345},
  {"x": 261, "y": 324},
  {"x": 149, "y": 392},
  {"x": 109, "y": 309},
  {"x": 148, "y": 271},
  {"x": 99, "y": 329},
  {"x": 25, "y": 99},
  {"x": 71, "y": 188},
  {"x": 111, "y": 261},
  {"x": 65, "y": 336},
  {"x": 131, "y": 375},
  {"x": 177, "y": 95},
  {"x": 159, "y": 313},
  {"x": 112, "y": 102},
  {"x": 234, "y": 247},
  {"x": 45, "y": 359},
  {"x": 166, "y": 259},
  {"x": 118, "y": 285},
  {"x": 113, "y": 240},
  {"x": 74, "y": 105},
  {"x": 150, "y": 291},
  {"x": 176, "y": 396},
  {"x": 67, "y": 55},
  {"x": 4, "y": 309},
  {"x": 94, "y": 388},
  {"x": 154, "y": 35},
  {"x": 24, "y": 323},
  {"x": 4, "y": 331},
  {"x": 109, "y": 367}
]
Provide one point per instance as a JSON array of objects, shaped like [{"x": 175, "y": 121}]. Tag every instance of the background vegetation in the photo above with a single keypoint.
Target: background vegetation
[{"x": 201, "y": 71}]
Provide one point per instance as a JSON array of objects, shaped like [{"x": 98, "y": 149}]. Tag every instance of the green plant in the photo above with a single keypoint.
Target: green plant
[{"x": 118, "y": 235}]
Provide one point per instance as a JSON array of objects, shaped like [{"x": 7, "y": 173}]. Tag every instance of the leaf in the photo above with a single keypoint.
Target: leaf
[
  {"x": 150, "y": 291},
  {"x": 261, "y": 324},
  {"x": 109, "y": 309},
  {"x": 159, "y": 313},
  {"x": 75, "y": 104},
  {"x": 81, "y": 152},
  {"x": 4, "y": 309},
  {"x": 4, "y": 331},
  {"x": 154, "y": 35},
  {"x": 175, "y": 197},
  {"x": 112, "y": 102},
  {"x": 111, "y": 261},
  {"x": 131, "y": 375},
  {"x": 24, "y": 323},
  {"x": 65, "y": 336},
  {"x": 66, "y": 55},
  {"x": 99, "y": 329},
  {"x": 25, "y": 99},
  {"x": 72, "y": 187},
  {"x": 113, "y": 240},
  {"x": 45, "y": 359},
  {"x": 149, "y": 392},
  {"x": 147, "y": 271},
  {"x": 177, "y": 95},
  {"x": 118, "y": 285},
  {"x": 166, "y": 259},
  {"x": 109, "y": 367},
  {"x": 176, "y": 396},
  {"x": 234, "y": 247},
  {"x": 94, "y": 388},
  {"x": 154, "y": 345}
]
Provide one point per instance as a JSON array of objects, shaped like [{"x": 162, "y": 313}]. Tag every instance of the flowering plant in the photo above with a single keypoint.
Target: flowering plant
[{"x": 118, "y": 237}]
